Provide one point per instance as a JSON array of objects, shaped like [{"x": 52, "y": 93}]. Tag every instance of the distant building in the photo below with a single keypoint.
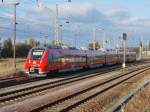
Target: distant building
[{"x": 83, "y": 48}]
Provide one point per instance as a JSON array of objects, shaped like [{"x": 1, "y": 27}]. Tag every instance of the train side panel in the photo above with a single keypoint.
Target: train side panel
[{"x": 43, "y": 61}]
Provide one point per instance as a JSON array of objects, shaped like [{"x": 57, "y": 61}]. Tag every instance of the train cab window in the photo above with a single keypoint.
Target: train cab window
[{"x": 37, "y": 53}]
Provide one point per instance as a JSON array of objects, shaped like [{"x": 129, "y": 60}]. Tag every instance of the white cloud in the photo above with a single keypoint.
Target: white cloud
[
  {"x": 10, "y": 1},
  {"x": 6, "y": 14},
  {"x": 118, "y": 13},
  {"x": 141, "y": 22},
  {"x": 76, "y": 9},
  {"x": 115, "y": 20},
  {"x": 116, "y": 9}
]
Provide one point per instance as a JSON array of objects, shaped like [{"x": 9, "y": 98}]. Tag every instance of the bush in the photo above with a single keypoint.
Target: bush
[
  {"x": 7, "y": 50},
  {"x": 22, "y": 49}
]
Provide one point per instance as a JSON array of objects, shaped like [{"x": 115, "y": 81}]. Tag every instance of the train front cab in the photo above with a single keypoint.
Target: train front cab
[{"x": 36, "y": 62}]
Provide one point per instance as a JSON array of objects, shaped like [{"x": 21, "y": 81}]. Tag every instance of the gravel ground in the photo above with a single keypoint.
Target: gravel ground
[
  {"x": 98, "y": 103},
  {"x": 140, "y": 102},
  {"x": 53, "y": 96},
  {"x": 106, "y": 100}
]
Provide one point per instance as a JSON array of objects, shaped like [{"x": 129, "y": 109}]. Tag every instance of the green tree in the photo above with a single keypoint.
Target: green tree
[
  {"x": 7, "y": 50},
  {"x": 56, "y": 43},
  {"x": 97, "y": 45},
  {"x": 22, "y": 49},
  {"x": 33, "y": 42}
]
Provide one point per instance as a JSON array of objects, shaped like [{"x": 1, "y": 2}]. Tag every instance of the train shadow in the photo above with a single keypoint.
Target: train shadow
[
  {"x": 87, "y": 70},
  {"x": 80, "y": 72}
]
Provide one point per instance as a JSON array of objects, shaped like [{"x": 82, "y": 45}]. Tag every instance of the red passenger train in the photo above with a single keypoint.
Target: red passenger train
[{"x": 44, "y": 60}]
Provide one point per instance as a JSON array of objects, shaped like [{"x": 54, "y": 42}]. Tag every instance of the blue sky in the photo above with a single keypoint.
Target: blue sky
[{"x": 115, "y": 16}]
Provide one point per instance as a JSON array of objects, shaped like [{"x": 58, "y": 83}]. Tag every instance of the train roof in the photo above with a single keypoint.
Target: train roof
[
  {"x": 39, "y": 47},
  {"x": 74, "y": 51},
  {"x": 77, "y": 52}
]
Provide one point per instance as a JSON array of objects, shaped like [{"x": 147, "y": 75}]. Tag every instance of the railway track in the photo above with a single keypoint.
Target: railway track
[
  {"x": 68, "y": 103},
  {"x": 16, "y": 81},
  {"x": 7, "y": 97},
  {"x": 7, "y": 94},
  {"x": 118, "y": 106},
  {"x": 7, "y": 82}
]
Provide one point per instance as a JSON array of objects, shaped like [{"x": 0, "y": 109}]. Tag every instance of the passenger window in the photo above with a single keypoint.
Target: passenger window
[{"x": 50, "y": 58}]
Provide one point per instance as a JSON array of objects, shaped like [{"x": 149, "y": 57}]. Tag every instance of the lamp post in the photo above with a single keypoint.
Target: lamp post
[
  {"x": 77, "y": 31},
  {"x": 14, "y": 46},
  {"x": 124, "y": 53},
  {"x": 141, "y": 47},
  {"x": 14, "y": 37},
  {"x": 60, "y": 27},
  {"x": 94, "y": 38},
  {"x": 55, "y": 21},
  {"x": 46, "y": 38},
  {"x": 57, "y": 26},
  {"x": 105, "y": 41}
]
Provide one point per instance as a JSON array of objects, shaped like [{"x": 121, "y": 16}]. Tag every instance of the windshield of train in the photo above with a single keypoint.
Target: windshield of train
[{"x": 37, "y": 53}]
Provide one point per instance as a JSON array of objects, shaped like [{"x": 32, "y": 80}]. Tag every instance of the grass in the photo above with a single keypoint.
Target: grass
[
  {"x": 147, "y": 110},
  {"x": 7, "y": 67},
  {"x": 140, "y": 102}
]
